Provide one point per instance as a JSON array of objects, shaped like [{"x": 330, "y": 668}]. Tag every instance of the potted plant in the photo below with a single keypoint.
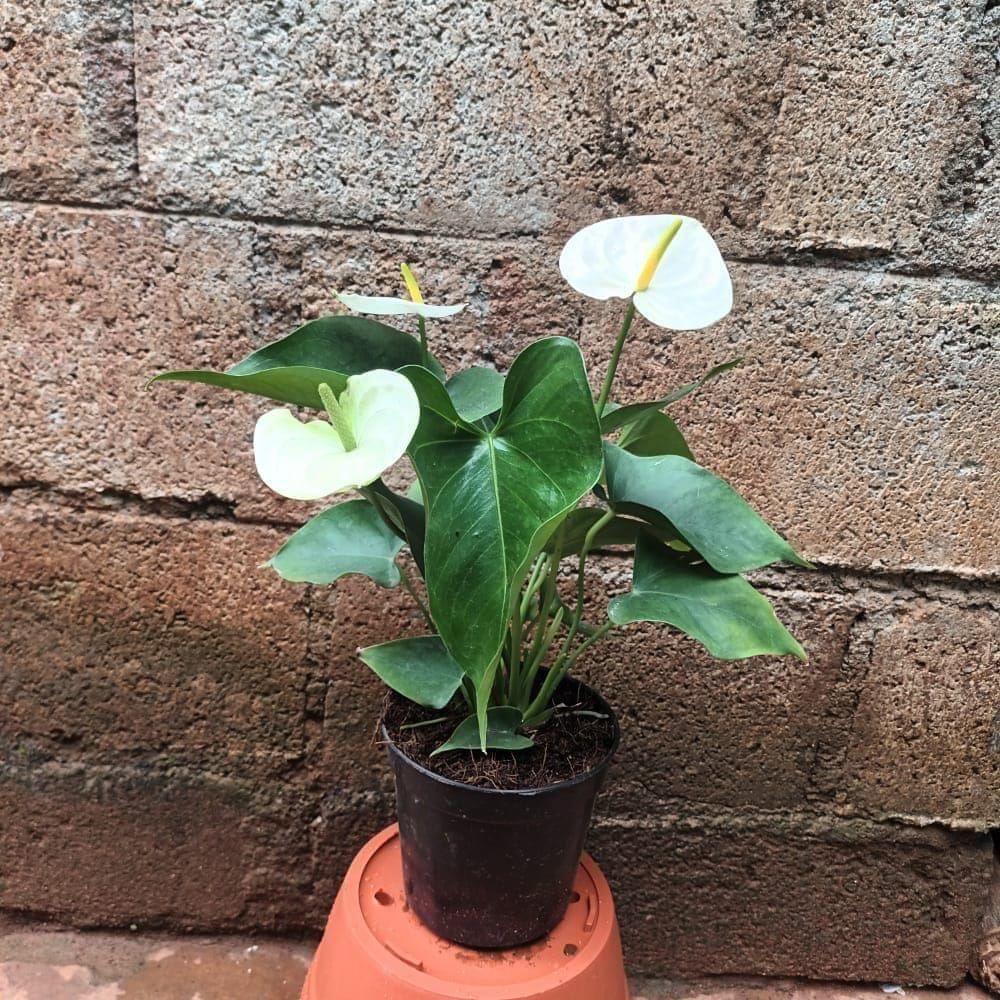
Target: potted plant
[{"x": 498, "y": 752}]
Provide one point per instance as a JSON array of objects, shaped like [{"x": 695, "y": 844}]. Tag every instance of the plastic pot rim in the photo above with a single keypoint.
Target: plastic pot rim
[{"x": 577, "y": 779}]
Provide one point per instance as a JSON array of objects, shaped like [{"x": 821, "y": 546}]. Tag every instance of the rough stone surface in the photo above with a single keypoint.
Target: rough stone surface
[
  {"x": 101, "y": 846},
  {"x": 458, "y": 116},
  {"x": 66, "y": 74},
  {"x": 91, "y": 307},
  {"x": 159, "y": 693},
  {"x": 836, "y": 457},
  {"x": 791, "y": 897},
  {"x": 882, "y": 133},
  {"x": 837, "y": 460},
  {"x": 144, "y": 638},
  {"x": 848, "y": 127},
  {"x": 731, "y": 733},
  {"x": 106, "y": 850},
  {"x": 926, "y": 736}
]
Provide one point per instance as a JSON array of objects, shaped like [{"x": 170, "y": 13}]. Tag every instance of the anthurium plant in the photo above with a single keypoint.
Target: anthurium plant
[{"x": 516, "y": 474}]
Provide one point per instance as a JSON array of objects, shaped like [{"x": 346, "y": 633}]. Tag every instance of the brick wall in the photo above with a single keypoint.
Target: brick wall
[{"x": 186, "y": 742}]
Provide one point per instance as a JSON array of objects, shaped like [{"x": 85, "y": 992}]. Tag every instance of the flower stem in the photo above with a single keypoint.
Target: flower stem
[
  {"x": 422, "y": 327},
  {"x": 616, "y": 354}
]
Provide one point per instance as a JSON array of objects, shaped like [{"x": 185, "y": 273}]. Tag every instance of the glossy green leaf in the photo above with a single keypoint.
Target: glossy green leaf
[
  {"x": 493, "y": 497},
  {"x": 348, "y": 538},
  {"x": 324, "y": 350},
  {"x": 476, "y": 392},
  {"x": 502, "y": 723},
  {"x": 707, "y": 512},
  {"x": 723, "y": 612},
  {"x": 654, "y": 433},
  {"x": 420, "y": 669},
  {"x": 623, "y": 415},
  {"x": 405, "y": 514}
]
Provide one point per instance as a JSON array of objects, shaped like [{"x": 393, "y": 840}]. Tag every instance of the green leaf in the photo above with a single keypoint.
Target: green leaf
[
  {"x": 420, "y": 669},
  {"x": 494, "y": 496},
  {"x": 613, "y": 419},
  {"x": 655, "y": 433},
  {"x": 620, "y": 531},
  {"x": 707, "y": 512},
  {"x": 326, "y": 350},
  {"x": 476, "y": 392},
  {"x": 502, "y": 723},
  {"x": 404, "y": 513},
  {"x": 724, "y": 613},
  {"x": 347, "y": 538}
]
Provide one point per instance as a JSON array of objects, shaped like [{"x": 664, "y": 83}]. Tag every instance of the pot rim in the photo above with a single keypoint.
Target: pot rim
[{"x": 577, "y": 779}]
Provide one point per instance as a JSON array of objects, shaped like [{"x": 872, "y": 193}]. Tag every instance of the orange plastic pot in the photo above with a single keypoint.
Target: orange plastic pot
[{"x": 375, "y": 948}]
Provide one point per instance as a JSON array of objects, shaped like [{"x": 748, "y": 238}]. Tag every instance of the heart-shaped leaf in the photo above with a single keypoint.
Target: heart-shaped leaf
[
  {"x": 476, "y": 392},
  {"x": 654, "y": 433},
  {"x": 325, "y": 350},
  {"x": 502, "y": 723},
  {"x": 420, "y": 669},
  {"x": 707, "y": 512},
  {"x": 623, "y": 415},
  {"x": 723, "y": 612},
  {"x": 494, "y": 496},
  {"x": 348, "y": 538}
]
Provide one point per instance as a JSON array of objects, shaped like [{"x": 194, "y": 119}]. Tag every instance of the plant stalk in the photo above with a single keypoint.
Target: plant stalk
[
  {"x": 422, "y": 327},
  {"x": 616, "y": 354},
  {"x": 560, "y": 667},
  {"x": 407, "y": 582}
]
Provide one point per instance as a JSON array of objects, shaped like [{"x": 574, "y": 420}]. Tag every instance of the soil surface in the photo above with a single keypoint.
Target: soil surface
[{"x": 574, "y": 741}]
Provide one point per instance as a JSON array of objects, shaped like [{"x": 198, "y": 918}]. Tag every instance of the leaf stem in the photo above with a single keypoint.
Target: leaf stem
[
  {"x": 556, "y": 674},
  {"x": 561, "y": 665},
  {"x": 407, "y": 582},
  {"x": 616, "y": 354}
]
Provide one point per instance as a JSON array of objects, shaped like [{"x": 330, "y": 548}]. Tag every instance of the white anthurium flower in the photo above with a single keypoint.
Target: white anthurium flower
[
  {"x": 370, "y": 428},
  {"x": 668, "y": 264},
  {"x": 386, "y": 305}
]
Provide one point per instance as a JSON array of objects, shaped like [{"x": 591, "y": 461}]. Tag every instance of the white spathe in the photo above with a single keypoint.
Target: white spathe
[
  {"x": 690, "y": 286},
  {"x": 308, "y": 461},
  {"x": 386, "y": 305}
]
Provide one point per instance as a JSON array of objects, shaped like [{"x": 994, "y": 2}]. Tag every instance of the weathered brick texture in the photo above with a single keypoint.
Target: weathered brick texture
[
  {"x": 850, "y": 127},
  {"x": 185, "y": 741},
  {"x": 840, "y": 901},
  {"x": 152, "y": 647},
  {"x": 66, "y": 75}
]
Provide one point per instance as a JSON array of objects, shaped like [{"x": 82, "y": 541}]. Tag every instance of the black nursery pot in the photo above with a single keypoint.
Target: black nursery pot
[{"x": 491, "y": 868}]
